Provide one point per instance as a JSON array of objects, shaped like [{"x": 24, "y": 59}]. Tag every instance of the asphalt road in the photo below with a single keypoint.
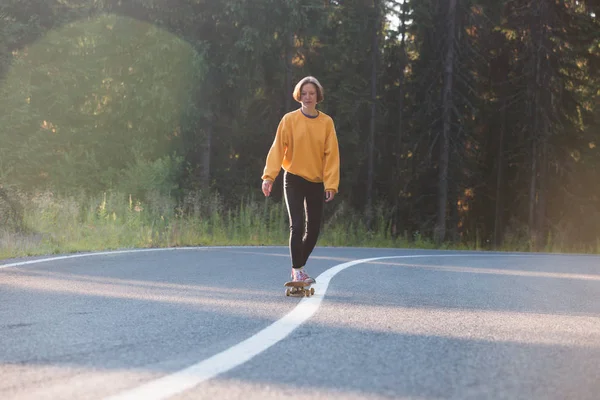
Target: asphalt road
[{"x": 214, "y": 323}]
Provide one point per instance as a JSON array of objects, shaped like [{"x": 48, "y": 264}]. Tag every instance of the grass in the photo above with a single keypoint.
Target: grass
[{"x": 117, "y": 221}]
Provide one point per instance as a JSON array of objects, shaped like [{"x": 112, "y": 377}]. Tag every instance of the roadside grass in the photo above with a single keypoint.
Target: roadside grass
[
  {"x": 54, "y": 225},
  {"x": 117, "y": 221}
]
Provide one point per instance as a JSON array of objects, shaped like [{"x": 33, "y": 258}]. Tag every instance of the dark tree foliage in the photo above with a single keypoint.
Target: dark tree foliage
[{"x": 458, "y": 120}]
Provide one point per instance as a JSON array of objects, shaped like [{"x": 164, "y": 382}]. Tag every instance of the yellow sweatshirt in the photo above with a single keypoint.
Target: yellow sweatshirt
[{"x": 306, "y": 147}]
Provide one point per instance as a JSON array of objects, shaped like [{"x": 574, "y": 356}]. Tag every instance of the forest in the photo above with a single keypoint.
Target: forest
[{"x": 470, "y": 123}]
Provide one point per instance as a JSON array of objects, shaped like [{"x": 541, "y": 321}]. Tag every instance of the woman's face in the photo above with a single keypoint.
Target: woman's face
[{"x": 308, "y": 95}]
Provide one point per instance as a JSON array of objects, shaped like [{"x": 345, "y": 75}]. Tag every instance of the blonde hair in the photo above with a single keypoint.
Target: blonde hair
[{"x": 309, "y": 79}]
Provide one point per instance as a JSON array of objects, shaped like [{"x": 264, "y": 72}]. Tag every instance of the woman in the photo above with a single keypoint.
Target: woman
[{"x": 306, "y": 147}]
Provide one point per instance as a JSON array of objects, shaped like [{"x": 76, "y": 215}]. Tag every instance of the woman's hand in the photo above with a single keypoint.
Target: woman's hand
[
  {"x": 266, "y": 187},
  {"x": 329, "y": 195}
]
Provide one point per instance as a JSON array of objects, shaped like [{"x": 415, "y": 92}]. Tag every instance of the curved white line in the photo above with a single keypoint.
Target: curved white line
[
  {"x": 107, "y": 253},
  {"x": 190, "y": 377},
  {"x": 187, "y": 378}
]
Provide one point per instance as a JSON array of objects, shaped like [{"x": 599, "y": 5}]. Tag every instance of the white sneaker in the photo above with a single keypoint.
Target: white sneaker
[{"x": 299, "y": 275}]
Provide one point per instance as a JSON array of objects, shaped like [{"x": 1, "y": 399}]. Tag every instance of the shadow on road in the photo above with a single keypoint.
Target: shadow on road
[{"x": 431, "y": 327}]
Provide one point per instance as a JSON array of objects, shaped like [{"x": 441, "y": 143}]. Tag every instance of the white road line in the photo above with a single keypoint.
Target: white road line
[
  {"x": 107, "y": 253},
  {"x": 187, "y": 378},
  {"x": 104, "y": 253},
  {"x": 190, "y": 377}
]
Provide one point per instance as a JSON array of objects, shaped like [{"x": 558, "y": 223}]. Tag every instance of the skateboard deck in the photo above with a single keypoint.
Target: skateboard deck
[{"x": 299, "y": 289}]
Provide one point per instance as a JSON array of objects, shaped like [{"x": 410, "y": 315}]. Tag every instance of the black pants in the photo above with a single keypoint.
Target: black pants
[{"x": 304, "y": 202}]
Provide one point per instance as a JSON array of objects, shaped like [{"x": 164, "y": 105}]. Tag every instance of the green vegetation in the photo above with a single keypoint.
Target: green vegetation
[
  {"x": 59, "y": 225},
  {"x": 462, "y": 123},
  {"x": 113, "y": 221}
]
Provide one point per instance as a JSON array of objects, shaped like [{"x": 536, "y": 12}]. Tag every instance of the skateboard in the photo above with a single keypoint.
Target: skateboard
[{"x": 299, "y": 289}]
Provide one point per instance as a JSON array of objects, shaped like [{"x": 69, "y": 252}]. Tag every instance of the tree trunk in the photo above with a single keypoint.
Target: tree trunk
[
  {"x": 498, "y": 236},
  {"x": 532, "y": 194},
  {"x": 289, "y": 85},
  {"x": 500, "y": 162},
  {"x": 206, "y": 172},
  {"x": 399, "y": 137},
  {"x": 453, "y": 215},
  {"x": 538, "y": 35},
  {"x": 371, "y": 142},
  {"x": 440, "y": 229},
  {"x": 541, "y": 195}
]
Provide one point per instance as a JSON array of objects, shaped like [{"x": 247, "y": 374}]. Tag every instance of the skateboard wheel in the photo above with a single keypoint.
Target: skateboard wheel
[
  {"x": 312, "y": 291},
  {"x": 287, "y": 292}
]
